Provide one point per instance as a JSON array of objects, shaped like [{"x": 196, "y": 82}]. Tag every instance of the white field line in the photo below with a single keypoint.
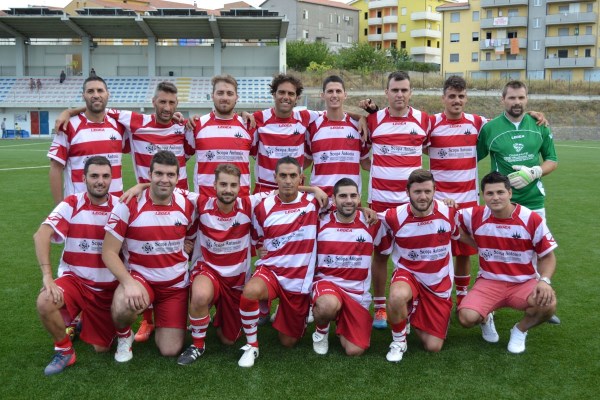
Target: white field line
[
  {"x": 22, "y": 145},
  {"x": 16, "y": 169},
  {"x": 576, "y": 147}
]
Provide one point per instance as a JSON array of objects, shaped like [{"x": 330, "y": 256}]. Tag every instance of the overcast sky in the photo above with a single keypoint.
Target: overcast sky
[{"x": 208, "y": 4}]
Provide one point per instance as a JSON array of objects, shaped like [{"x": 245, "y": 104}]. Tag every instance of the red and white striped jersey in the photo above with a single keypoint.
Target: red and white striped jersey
[
  {"x": 288, "y": 232},
  {"x": 84, "y": 139},
  {"x": 397, "y": 144},
  {"x": 79, "y": 224},
  {"x": 336, "y": 150},
  {"x": 220, "y": 141},
  {"x": 344, "y": 254},
  {"x": 422, "y": 244},
  {"x": 146, "y": 136},
  {"x": 276, "y": 138},
  {"x": 453, "y": 157},
  {"x": 508, "y": 247},
  {"x": 224, "y": 240},
  {"x": 153, "y": 237}
]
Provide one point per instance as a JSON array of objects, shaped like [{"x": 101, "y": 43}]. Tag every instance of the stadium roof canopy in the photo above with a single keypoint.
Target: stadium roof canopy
[{"x": 164, "y": 26}]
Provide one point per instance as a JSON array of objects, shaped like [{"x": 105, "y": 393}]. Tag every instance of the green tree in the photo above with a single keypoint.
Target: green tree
[
  {"x": 362, "y": 57},
  {"x": 300, "y": 54}
]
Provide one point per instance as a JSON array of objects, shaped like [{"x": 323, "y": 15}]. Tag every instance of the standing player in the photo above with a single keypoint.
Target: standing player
[
  {"x": 333, "y": 143},
  {"x": 150, "y": 232},
  {"x": 286, "y": 226},
  {"x": 509, "y": 238},
  {"x": 421, "y": 286},
  {"x": 87, "y": 134},
  {"x": 397, "y": 135},
  {"x": 221, "y": 137},
  {"x": 515, "y": 143},
  {"x": 84, "y": 285},
  {"x": 343, "y": 274}
]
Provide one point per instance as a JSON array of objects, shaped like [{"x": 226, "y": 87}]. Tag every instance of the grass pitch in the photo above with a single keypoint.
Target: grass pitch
[{"x": 560, "y": 361}]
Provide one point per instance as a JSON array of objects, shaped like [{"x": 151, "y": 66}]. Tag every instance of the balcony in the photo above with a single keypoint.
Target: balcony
[
  {"x": 502, "y": 3},
  {"x": 563, "y": 1},
  {"x": 390, "y": 19},
  {"x": 560, "y": 41},
  {"x": 571, "y": 18},
  {"x": 375, "y": 37},
  {"x": 430, "y": 33},
  {"x": 501, "y": 65},
  {"x": 491, "y": 44},
  {"x": 374, "y": 4},
  {"x": 583, "y": 62},
  {"x": 374, "y": 21},
  {"x": 390, "y": 36},
  {"x": 503, "y": 22},
  {"x": 423, "y": 50},
  {"x": 425, "y": 15}
]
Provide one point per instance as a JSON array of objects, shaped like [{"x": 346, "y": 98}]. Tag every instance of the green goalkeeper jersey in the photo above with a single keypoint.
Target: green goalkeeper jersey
[{"x": 508, "y": 146}]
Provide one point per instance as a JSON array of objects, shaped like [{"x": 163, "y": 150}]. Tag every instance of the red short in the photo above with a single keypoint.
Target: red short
[
  {"x": 226, "y": 301},
  {"x": 293, "y": 307},
  {"x": 462, "y": 249},
  {"x": 97, "y": 326},
  {"x": 170, "y": 304},
  {"x": 427, "y": 312},
  {"x": 488, "y": 295},
  {"x": 353, "y": 322}
]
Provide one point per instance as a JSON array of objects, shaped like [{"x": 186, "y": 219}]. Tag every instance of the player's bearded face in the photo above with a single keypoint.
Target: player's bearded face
[
  {"x": 227, "y": 188},
  {"x": 165, "y": 105},
  {"x": 515, "y": 101},
  {"x": 288, "y": 178},
  {"x": 97, "y": 180},
  {"x": 95, "y": 96},
  {"x": 347, "y": 201},
  {"x": 224, "y": 98},
  {"x": 163, "y": 180},
  {"x": 421, "y": 196}
]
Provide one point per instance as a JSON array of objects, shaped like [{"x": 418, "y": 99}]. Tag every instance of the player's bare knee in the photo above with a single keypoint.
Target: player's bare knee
[
  {"x": 354, "y": 351},
  {"x": 288, "y": 341},
  {"x": 252, "y": 290},
  {"x": 44, "y": 304},
  {"x": 468, "y": 318},
  {"x": 433, "y": 346},
  {"x": 199, "y": 299}
]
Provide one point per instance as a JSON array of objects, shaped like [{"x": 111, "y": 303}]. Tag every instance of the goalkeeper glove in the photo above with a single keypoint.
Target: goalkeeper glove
[{"x": 524, "y": 175}]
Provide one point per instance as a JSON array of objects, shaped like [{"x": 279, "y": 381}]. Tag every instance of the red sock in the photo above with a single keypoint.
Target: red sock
[
  {"x": 249, "y": 313},
  {"x": 123, "y": 333},
  {"x": 462, "y": 286},
  {"x": 323, "y": 329},
  {"x": 378, "y": 302},
  {"x": 147, "y": 315},
  {"x": 399, "y": 331},
  {"x": 199, "y": 326},
  {"x": 64, "y": 345}
]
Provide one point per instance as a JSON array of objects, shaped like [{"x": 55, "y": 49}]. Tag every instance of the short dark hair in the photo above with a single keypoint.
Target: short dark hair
[
  {"x": 164, "y": 157},
  {"x": 224, "y": 78},
  {"x": 94, "y": 79},
  {"x": 419, "y": 176},
  {"x": 95, "y": 160},
  {"x": 513, "y": 85},
  {"x": 333, "y": 78},
  {"x": 165, "y": 86},
  {"x": 343, "y": 182},
  {"x": 495, "y": 177},
  {"x": 398, "y": 76},
  {"x": 455, "y": 82},
  {"x": 288, "y": 160},
  {"x": 283, "y": 78},
  {"x": 228, "y": 169}
]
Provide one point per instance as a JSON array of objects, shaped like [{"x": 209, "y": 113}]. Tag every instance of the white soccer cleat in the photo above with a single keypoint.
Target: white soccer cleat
[
  {"x": 516, "y": 344},
  {"x": 488, "y": 330},
  {"x": 397, "y": 350},
  {"x": 124, "y": 353},
  {"x": 320, "y": 343},
  {"x": 250, "y": 354}
]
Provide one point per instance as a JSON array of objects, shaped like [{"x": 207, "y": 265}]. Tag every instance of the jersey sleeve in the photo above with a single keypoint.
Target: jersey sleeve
[
  {"x": 464, "y": 218},
  {"x": 543, "y": 241},
  {"x": 59, "y": 149},
  {"x": 382, "y": 240},
  {"x": 455, "y": 233},
  {"x": 119, "y": 220},
  {"x": 59, "y": 220},
  {"x": 256, "y": 198},
  {"x": 482, "y": 146},
  {"x": 547, "y": 150}
]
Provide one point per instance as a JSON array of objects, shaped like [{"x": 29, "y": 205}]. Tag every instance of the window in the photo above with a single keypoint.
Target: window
[
  {"x": 403, "y": 11},
  {"x": 536, "y": 22},
  {"x": 378, "y": 46},
  {"x": 563, "y": 9},
  {"x": 339, "y": 19},
  {"x": 403, "y": 44},
  {"x": 379, "y": 30},
  {"x": 428, "y": 42},
  {"x": 454, "y": 37},
  {"x": 536, "y": 45},
  {"x": 475, "y": 56},
  {"x": 475, "y": 15},
  {"x": 512, "y": 35},
  {"x": 454, "y": 17},
  {"x": 588, "y": 30},
  {"x": 331, "y": 17},
  {"x": 475, "y": 37},
  {"x": 304, "y": 34},
  {"x": 488, "y": 56},
  {"x": 320, "y": 25},
  {"x": 488, "y": 35},
  {"x": 378, "y": 14},
  {"x": 393, "y": 45},
  {"x": 337, "y": 37},
  {"x": 537, "y": 3},
  {"x": 563, "y": 53},
  {"x": 350, "y": 39},
  {"x": 304, "y": 14},
  {"x": 366, "y": 32},
  {"x": 488, "y": 14},
  {"x": 513, "y": 12},
  {"x": 590, "y": 7},
  {"x": 563, "y": 31},
  {"x": 402, "y": 28},
  {"x": 587, "y": 53},
  {"x": 366, "y": 15},
  {"x": 453, "y": 57}
]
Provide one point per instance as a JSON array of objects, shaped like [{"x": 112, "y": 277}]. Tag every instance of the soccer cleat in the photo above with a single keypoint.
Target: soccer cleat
[
  {"x": 380, "y": 319},
  {"x": 144, "y": 332},
  {"x": 397, "y": 350},
  {"x": 250, "y": 354},
  {"x": 516, "y": 344},
  {"x": 124, "y": 353},
  {"x": 310, "y": 318},
  {"x": 488, "y": 330},
  {"x": 554, "y": 320},
  {"x": 59, "y": 362},
  {"x": 320, "y": 343},
  {"x": 190, "y": 355}
]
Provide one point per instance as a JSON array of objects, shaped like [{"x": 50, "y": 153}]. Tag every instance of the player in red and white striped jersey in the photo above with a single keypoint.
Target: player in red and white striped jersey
[
  {"x": 452, "y": 150},
  {"x": 333, "y": 143},
  {"x": 286, "y": 227},
  {"x": 88, "y": 134},
  {"x": 516, "y": 262},
  {"x": 221, "y": 137},
  {"x": 397, "y": 136},
  {"x": 342, "y": 279},
  {"x": 422, "y": 282},
  {"x": 84, "y": 285},
  {"x": 151, "y": 232}
]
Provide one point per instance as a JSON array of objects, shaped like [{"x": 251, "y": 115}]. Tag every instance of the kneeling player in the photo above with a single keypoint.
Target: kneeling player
[
  {"x": 85, "y": 285},
  {"x": 343, "y": 274}
]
